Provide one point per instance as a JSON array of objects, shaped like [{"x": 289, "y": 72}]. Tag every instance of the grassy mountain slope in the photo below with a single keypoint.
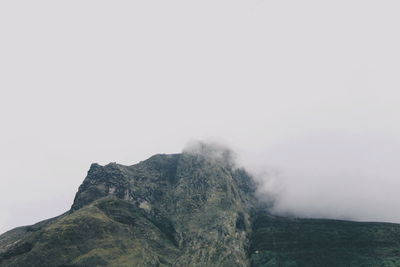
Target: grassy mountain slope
[
  {"x": 170, "y": 210},
  {"x": 189, "y": 209},
  {"x": 279, "y": 241}
]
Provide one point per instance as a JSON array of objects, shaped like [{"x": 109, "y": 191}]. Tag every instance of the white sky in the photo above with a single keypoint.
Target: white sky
[{"x": 103, "y": 81}]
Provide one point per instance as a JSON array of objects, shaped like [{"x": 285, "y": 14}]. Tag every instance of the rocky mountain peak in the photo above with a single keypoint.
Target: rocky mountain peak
[
  {"x": 191, "y": 209},
  {"x": 197, "y": 195}
]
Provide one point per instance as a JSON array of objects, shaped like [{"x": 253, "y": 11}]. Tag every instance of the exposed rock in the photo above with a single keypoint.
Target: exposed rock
[{"x": 189, "y": 209}]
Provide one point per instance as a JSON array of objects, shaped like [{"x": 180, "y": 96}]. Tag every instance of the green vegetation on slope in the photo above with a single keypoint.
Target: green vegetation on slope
[
  {"x": 189, "y": 210},
  {"x": 280, "y": 241},
  {"x": 170, "y": 210},
  {"x": 109, "y": 232}
]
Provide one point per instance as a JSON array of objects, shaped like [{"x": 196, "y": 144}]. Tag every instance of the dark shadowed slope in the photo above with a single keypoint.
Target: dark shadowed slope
[
  {"x": 170, "y": 210},
  {"x": 188, "y": 209},
  {"x": 279, "y": 241}
]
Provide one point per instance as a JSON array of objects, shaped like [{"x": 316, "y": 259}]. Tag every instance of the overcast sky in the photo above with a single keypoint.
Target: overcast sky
[{"x": 307, "y": 88}]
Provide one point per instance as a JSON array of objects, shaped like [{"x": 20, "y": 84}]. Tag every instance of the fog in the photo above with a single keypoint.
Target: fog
[
  {"x": 306, "y": 92},
  {"x": 331, "y": 176},
  {"x": 336, "y": 176}
]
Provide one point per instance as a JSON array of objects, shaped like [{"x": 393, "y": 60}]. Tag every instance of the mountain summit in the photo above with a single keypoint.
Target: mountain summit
[{"x": 190, "y": 209}]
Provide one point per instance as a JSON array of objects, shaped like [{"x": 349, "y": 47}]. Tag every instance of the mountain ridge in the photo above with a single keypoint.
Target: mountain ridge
[{"x": 195, "y": 208}]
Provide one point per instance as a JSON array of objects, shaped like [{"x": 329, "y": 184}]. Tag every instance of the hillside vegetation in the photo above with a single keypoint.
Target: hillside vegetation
[{"x": 189, "y": 209}]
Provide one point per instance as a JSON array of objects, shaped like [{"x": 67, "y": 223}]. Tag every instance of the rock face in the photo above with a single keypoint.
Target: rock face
[
  {"x": 171, "y": 210},
  {"x": 189, "y": 209}
]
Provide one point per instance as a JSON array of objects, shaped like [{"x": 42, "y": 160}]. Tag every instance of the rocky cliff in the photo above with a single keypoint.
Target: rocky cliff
[{"x": 189, "y": 209}]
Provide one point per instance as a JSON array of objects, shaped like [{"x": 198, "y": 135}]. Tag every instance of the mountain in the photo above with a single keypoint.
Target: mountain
[{"x": 190, "y": 209}]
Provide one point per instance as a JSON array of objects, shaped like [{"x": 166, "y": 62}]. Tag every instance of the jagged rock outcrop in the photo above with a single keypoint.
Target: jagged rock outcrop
[
  {"x": 174, "y": 210},
  {"x": 190, "y": 209}
]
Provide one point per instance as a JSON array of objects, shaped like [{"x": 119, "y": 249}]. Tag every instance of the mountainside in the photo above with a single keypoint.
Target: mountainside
[{"x": 189, "y": 209}]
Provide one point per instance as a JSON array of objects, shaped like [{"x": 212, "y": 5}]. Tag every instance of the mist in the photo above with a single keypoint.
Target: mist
[{"x": 337, "y": 176}]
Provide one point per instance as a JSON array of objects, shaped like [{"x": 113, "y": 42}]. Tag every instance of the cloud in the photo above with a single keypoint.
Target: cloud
[
  {"x": 331, "y": 176},
  {"x": 212, "y": 149}
]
